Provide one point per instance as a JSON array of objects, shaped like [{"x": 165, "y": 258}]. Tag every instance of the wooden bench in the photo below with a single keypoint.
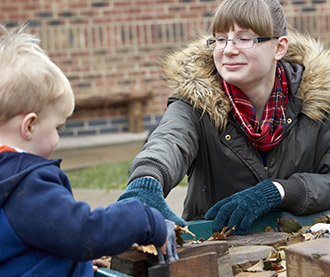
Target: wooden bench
[{"x": 133, "y": 100}]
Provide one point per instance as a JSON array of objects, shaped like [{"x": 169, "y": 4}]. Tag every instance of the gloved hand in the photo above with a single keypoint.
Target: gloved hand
[
  {"x": 171, "y": 254},
  {"x": 244, "y": 207},
  {"x": 149, "y": 191}
]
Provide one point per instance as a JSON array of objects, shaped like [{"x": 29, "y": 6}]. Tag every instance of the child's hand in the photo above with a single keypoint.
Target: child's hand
[
  {"x": 168, "y": 249},
  {"x": 97, "y": 263},
  {"x": 162, "y": 249}
]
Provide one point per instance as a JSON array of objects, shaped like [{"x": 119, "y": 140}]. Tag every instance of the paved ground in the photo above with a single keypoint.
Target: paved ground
[
  {"x": 87, "y": 151},
  {"x": 102, "y": 198},
  {"x": 90, "y": 150}
]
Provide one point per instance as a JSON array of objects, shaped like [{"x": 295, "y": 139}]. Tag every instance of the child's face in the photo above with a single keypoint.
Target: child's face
[{"x": 45, "y": 136}]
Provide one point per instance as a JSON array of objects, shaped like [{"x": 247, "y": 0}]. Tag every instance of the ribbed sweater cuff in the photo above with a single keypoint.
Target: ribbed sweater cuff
[
  {"x": 271, "y": 192},
  {"x": 146, "y": 184},
  {"x": 144, "y": 170},
  {"x": 295, "y": 196}
]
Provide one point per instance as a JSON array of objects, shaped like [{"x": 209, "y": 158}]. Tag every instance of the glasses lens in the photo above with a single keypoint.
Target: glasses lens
[
  {"x": 211, "y": 43},
  {"x": 243, "y": 42},
  {"x": 220, "y": 43}
]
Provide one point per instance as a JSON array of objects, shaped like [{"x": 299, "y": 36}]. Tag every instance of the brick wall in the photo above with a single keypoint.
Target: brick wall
[{"x": 113, "y": 46}]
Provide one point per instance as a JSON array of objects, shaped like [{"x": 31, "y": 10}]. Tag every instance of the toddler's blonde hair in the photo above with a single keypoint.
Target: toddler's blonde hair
[{"x": 29, "y": 80}]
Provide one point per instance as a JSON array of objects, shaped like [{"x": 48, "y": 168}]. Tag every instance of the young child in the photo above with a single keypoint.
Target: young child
[{"x": 44, "y": 231}]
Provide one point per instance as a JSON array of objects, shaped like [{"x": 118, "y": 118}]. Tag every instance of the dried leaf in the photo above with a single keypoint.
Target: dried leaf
[
  {"x": 276, "y": 266},
  {"x": 217, "y": 236},
  {"x": 222, "y": 235},
  {"x": 107, "y": 260},
  {"x": 304, "y": 229},
  {"x": 317, "y": 255},
  {"x": 258, "y": 267},
  {"x": 269, "y": 229},
  {"x": 274, "y": 256},
  {"x": 182, "y": 230},
  {"x": 308, "y": 236},
  {"x": 282, "y": 254},
  {"x": 288, "y": 224},
  {"x": 321, "y": 219},
  {"x": 150, "y": 249},
  {"x": 273, "y": 261},
  {"x": 295, "y": 239}
]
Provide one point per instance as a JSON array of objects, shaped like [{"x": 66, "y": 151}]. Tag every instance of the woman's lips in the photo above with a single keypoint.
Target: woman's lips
[{"x": 233, "y": 66}]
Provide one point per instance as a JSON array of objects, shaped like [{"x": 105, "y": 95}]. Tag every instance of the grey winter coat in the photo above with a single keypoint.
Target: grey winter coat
[{"x": 198, "y": 136}]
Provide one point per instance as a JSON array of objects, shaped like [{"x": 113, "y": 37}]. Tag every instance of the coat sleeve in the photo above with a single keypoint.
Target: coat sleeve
[
  {"x": 309, "y": 191},
  {"x": 171, "y": 148},
  {"x": 44, "y": 214}
]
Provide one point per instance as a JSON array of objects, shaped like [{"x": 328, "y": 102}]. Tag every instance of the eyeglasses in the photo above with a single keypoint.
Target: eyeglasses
[{"x": 240, "y": 42}]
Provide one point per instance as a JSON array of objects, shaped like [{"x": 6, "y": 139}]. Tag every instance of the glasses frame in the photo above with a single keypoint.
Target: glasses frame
[{"x": 255, "y": 40}]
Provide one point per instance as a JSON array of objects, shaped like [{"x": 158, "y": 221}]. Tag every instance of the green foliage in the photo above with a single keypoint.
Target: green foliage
[
  {"x": 107, "y": 176},
  {"x": 288, "y": 224}
]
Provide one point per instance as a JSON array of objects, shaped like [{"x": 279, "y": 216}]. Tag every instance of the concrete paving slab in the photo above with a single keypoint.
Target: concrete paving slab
[
  {"x": 87, "y": 151},
  {"x": 100, "y": 140}
]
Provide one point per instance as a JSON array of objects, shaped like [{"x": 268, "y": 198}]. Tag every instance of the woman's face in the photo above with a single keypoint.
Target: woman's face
[{"x": 246, "y": 68}]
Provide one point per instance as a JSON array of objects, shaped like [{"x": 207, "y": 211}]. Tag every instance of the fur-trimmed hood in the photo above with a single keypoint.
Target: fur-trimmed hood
[{"x": 191, "y": 75}]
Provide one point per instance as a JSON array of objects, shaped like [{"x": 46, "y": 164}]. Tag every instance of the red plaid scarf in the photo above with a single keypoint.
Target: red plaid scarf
[{"x": 265, "y": 135}]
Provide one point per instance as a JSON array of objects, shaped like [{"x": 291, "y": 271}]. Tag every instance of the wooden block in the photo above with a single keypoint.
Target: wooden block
[
  {"x": 243, "y": 254},
  {"x": 202, "y": 265},
  {"x": 260, "y": 238},
  {"x": 243, "y": 257},
  {"x": 310, "y": 258},
  {"x": 194, "y": 249},
  {"x": 132, "y": 263},
  {"x": 257, "y": 274},
  {"x": 219, "y": 247}
]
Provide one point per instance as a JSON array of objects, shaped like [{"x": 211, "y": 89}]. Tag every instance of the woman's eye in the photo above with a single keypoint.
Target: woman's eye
[
  {"x": 221, "y": 39},
  {"x": 244, "y": 39}
]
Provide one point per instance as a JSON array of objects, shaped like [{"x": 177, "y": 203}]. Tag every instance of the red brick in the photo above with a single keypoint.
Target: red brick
[{"x": 124, "y": 39}]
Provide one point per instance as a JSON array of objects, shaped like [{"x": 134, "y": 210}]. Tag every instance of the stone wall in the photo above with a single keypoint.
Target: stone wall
[{"x": 113, "y": 46}]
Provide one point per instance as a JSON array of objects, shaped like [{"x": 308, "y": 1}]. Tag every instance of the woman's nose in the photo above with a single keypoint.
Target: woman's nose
[{"x": 230, "y": 47}]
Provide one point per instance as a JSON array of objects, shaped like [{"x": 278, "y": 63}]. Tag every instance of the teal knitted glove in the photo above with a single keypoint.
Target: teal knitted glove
[
  {"x": 150, "y": 192},
  {"x": 243, "y": 208}
]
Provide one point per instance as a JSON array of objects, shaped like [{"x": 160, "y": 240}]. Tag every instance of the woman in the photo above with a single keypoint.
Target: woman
[{"x": 248, "y": 122}]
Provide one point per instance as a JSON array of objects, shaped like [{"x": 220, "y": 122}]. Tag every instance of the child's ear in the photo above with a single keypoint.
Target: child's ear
[
  {"x": 28, "y": 125},
  {"x": 282, "y": 48}
]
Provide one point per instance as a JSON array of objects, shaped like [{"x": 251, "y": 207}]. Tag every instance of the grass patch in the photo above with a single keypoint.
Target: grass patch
[{"x": 106, "y": 176}]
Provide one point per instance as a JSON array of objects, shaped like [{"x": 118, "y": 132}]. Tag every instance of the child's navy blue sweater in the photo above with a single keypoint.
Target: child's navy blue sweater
[{"x": 45, "y": 232}]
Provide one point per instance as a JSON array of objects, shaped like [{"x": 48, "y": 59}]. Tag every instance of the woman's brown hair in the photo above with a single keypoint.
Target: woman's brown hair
[{"x": 263, "y": 17}]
